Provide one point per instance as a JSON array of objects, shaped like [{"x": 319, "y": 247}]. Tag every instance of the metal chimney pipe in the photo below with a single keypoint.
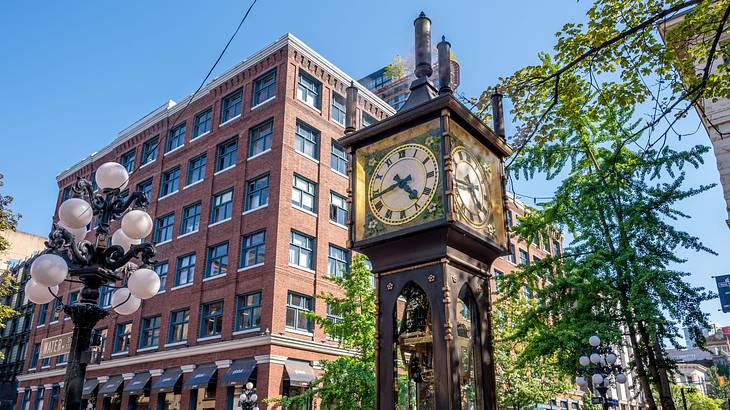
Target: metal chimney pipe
[
  {"x": 423, "y": 46},
  {"x": 444, "y": 48},
  {"x": 498, "y": 114},
  {"x": 350, "y": 109}
]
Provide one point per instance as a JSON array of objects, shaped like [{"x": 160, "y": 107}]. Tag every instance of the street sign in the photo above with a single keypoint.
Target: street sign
[
  {"x": 56, "y": 345},
  {"x": 597, "y": 400},
  {"x": 723, "y": 291}
]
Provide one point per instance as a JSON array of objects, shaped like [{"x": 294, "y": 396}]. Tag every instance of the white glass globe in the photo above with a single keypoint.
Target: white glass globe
[
  {"x": 621, "y": 378},
  {"x": 39, "y": 294},
  {"x": 581, "y": 381},
  {"x": 254, "y": 397},
  {"x": 120, "y": 239},
  {"x": 49, "y": 270},
  {"x": 137, "y": 224},
  {"x": 144, "y": 283},
  {"x": 111, "y": 175},
  {"x": 611, "y": 358},
  {"x": 594, "y": 341},
  {"x": 249, "y": 385},
  {"x": 79, "y": 234},
  {"x": 597, "y": 379},
  {"x": 75, "y": 213},
  {"x": 255, "y": 408},
  {"x": 124, "y": 302},
  {"x": 584, "y": 361},
  {"x": 595, "y": 358}
]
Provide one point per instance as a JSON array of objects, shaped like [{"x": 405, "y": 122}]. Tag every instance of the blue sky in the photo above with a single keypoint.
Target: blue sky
[{"x": 75, "y": 73}]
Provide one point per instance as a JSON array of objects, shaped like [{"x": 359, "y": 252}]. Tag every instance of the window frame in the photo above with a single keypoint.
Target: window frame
[
  {"x": 174, "y": 323},
  {"x": 222, "y": 270},
  {"x": 168, "y": 184},
  {"x": 254, "y": 310},
  {"x": 298, "y": 310},
  {"x": 338, "y": 108},
  {"x": 259, "y": 249},
  {"x": 205, "y": 315},
  {"x": 225, "y": 157},
  {"x": 263, "y": 84},
  {"x": 226, "y": 103},
  {"x": 125, "y": 160},
  {"x": 128, "y": 335},
  {"x": 337, "y": 211},
  {"x": 338, "y": 159},
  {"x": 227, "y": 206},
  {"x": 189, "y": 269},
  {"x": 168, "y": 228},
  {"x": 306, "y": 136},
  {"x": 255, "y": 135},
  {"x": 254, "y": 191},
  {"x": 196, "y": 168},
  {"x": 338, "y": 262},
  {"x": 196, "y": 123},
  {"x": 313, "y": 90},
  {"x": 186, "y": 217},
  {"x": 302, "y": 194},
  {"x": 162, "y": 275},
  {"x": 149, "y": 150},
  {"x": 151, "y": 324},
  {"x": 311, "y": 241},
  {"x": 176, "y": 137}
]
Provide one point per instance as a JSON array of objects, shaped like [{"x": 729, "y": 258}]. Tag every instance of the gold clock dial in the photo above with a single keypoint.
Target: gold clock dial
[
  {"x": 470, "y": 183},
  {"x": 403, "y": 184}
]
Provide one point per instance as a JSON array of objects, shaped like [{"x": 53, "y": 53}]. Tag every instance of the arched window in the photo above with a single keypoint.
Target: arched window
[{"x": 468, "y": 346}]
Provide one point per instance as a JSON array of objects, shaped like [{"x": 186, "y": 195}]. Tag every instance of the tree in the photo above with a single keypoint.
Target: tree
[
  {"x": 397, "y": 68},
  {"x": 521, "y": 386},
  {"x": 694, "y": 398},
  {"x": 719, "y": 386},
  {"x": 8, "y": 222},
  {"x": 347, "y": 382}
]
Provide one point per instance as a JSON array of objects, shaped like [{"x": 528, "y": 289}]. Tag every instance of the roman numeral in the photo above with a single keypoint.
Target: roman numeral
[
  {"x": 388, "y": 162},
  {"x": 379, "y": 206},
  {"x": 426, "y": 191},
  {"x": 402, "y": 154},
  {"x": 378, "y": 176},
  {"x": 388, "y": 214},
  {"x": 417, "y": 206},
  {"x": 425, "y": 160},
  {"x": 430, "y": 174},
  {"x": 461, "y": 155},
  {"x": 402, "y": 215}
]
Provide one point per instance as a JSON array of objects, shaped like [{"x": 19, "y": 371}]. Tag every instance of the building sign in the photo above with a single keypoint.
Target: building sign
[
  {"x": 723, "y": 290},
  {"x": 56, "y": 345}
]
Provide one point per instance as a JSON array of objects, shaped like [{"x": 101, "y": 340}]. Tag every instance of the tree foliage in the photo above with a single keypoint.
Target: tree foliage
[
  {"x": 397, "y": 68},
  {"x": 694, "y": 398},
  {"x": 8, "y": 221}
]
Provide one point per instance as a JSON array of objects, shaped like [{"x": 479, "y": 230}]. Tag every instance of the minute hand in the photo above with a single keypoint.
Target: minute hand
[{"x": 388, "y": 189}]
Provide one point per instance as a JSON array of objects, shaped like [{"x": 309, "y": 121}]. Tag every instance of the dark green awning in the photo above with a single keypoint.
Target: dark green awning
[
  {"x": 200, "y": 376},
  {"x": 138, "y": 383},
  {"x": 89, "y": 387},
  {"x": 111, "y": 386},
  {"x": 239, "y": 372},
  {"x": 168, "y": 380}
]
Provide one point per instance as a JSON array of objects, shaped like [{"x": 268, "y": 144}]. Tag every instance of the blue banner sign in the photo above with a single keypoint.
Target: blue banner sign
[{"x": 723, "y": 290}]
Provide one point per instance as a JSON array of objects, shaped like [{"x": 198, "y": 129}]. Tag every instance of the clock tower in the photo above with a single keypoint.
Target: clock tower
[{"x": 427, "y": 207}]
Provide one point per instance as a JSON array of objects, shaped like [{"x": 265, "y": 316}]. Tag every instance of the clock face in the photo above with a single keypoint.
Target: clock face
[
  {"x": 403, "y": 184},
  {"x": 470, "y": 183}
]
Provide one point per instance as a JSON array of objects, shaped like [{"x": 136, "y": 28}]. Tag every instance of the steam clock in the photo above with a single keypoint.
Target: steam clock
[{"x": 427, "y": 207}]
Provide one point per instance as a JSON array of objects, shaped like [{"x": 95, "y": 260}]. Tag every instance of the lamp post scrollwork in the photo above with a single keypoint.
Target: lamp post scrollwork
[{"x": 597, "y": 369}]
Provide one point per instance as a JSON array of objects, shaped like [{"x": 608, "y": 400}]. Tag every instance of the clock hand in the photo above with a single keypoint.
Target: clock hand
[
  {"x": 390, "y": 188},
  {"x": 403, "y": 184}
]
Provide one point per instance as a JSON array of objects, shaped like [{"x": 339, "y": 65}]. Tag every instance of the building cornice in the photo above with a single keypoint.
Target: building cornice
[{"x": 171, "y": 107}]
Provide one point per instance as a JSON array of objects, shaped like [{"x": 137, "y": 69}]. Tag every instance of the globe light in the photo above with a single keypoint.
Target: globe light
[
  {"x": 597, "y": 379},
  {"x": 611, "y": 358},
  {"x": 112, "y": 175},
  {"x": 594, "y": 341},
  {"x": 254, "y": 397},
  {"x": 124, "y": 302},
  {"x": 79, "y": 234},
  {"x": 249, "y": 385},
  {"x": 143, "y": 283},
  {"x": 39, "y": 294},
  {"x": 255, "y": 408},
  {"x": 49, "y": 270},
  {"x": 75, "y": 213},
  {"x": 595, "y": 358},
  {"x": 584, "y": 361},
  {"x": 621, "y": 378},
  {"x": 120, "y": 239},
  {"x": 136, "y": 224},
  {"x": 581, "y": 381}
]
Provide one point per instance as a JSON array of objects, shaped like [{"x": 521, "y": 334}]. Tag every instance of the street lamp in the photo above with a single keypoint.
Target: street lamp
[
  {"x": 599, "y": 366},
  {"x": 103, "y": 262},
  {"x": 247, "y": 399}
]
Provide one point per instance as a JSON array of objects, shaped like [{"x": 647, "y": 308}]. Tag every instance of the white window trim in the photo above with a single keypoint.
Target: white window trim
[
  {"x": 194, "y": 183},
  {"x": 254, "y": 209},
  {"x": 266, "y": 151},
  {"x": 306, "y": 104},
  {"x": 316, "y": 161},
  {"x": 245, "y": 268},
  {"x": 339, "y": 173},
  {"x": 263, "y": 102},
  {"x": 243, "y": 332},
  {"x": 169, "y": 195},
  {"x": 124, "y": 353},
  {"x": 339, "y": 225},
  {"x": 48, "y": 366},
  {"x": 306, "y": 211},
  {"x": 67, "y": 318},
  {"x": 174, "y": 149},
  {"x": 163, "y": 242},
  {"x": 40, "y": 326},
  {"x": 219, "y": 222},
  {"x": 209, "y": 278},
  {"x": 188, "y": 234},
  {"x": 228, "y": 121},
  {"x": 185, "y": 285},
  {"x": 200, "y": 136},
  {"x": 147, "y": 163},
  {"x": 299, "y": 332},
  {"x": 302, "y": 268},
  {"x": 224, "y": 169},
  {"x": 52, "y": 323},
  {"x": 158, "y": 292},
  {"x": 147, "y": 349},
  {"x": 180, "y": 343},
  {"x": 203, "y": 339}
]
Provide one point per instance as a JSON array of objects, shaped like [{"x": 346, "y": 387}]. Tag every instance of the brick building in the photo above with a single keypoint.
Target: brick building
[{"x": 247, "y": 188}]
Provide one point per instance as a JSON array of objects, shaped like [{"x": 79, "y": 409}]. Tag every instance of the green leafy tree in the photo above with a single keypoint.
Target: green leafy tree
[
  {"x": 694, "y": 398},
  {"x": 719, "y": 386},
  {"x": 8, "y": 221},
  {"x": 347, "y": 382},
  {"x": 397, "y": 68}
]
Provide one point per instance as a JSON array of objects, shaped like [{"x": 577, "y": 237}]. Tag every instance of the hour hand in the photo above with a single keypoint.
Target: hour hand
[{"x": 390, "y": 188}]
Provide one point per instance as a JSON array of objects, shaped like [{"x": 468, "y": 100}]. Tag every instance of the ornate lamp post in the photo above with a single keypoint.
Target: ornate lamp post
[
  {"x": 600, "y": 365},
  {"x": 102, "y": 262},
  {"x": 247, "y": 399}
]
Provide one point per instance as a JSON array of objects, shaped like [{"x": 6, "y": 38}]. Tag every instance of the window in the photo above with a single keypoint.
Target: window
[
  {"x": 56, "y": 312},
  {"x": 190, "y": 218},
  {"x": 338, "y": 108},
  {"x": 196, "y": 169},
  {"x": 226, "y": 154},
  {"x": 253, "y": 249},
  {"x": 498, "y": 275},
  {"x": 149, "y": 334},
  {"x": 257, "y": 192},
  {"x": 170, "y": 180},
  {"x": 575, "y": 406},
  {"x": 185, "y": 271},
  {"x": 296, "y": 308},
  {"x": 248, "y": 311},
  {"x": 105, "y": 296},
  {"x": 512, "y": 257},
  {"x": 34, "y": 354},
  {"x": 264, "y": 88},
  {"x": 25, "y": 405},
  {"x": 509, "y": 218},
  {"x": 211, "y": 319},
  {"x": 368, "y": 120},
  {"x": 55, "y": 394},
  {"x": 42, "y": 313},
  {"x": 231, "y": 106},
  {"x": 556, "y": 247},
  {"x": 92, "y": 178},
  {"x": 333, "y": 316},
  {"x": 217, "y": 260},
  {"x": 338, "y": 208},
  {"x": 338, "y": 159},
  {"x": 122, "y": 337},
  {"x": 175, "y": 137},
  {"x": 127, "y": 160},
  {"x": 222, "y": 206},
  {"x": 73, "y": 297},
  {"x": 38, "y": 402},
  {"x": 163, "y": 228},
  {"x": 202, "y": 122},
  {"x": 524, "y": 258},
  {"x": 309, "y": 90},
  {"x": 338, "y": 261},
  {"x": 260, "y": 138},
  {"x": 145, "y": 187},
  {"x": 301, "y": 250},
  {"x": 304, "y": 193},
  {"x": 149, "y": 150},
  {"x": 161, "y": 269},
  {"x": 61, "y": 359},
  {"x": 179, "y": 324},
  {"x": 398, "y": 101},
  {"x": 307, "y": 140},
  {"x": 66, "y": 193}
]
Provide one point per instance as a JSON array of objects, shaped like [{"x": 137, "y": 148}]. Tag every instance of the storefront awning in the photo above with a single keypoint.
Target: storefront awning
[
  {"x": 168, "y": 380},
  {"x": 300, "y": 373},
  {"x": 239, "y": 372},
  {"x": 111, "y": 386},
  {"x": 200, "y": 376},
  {"x": 138, "y": 383},
  {"x": 89, "y": 387}
]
